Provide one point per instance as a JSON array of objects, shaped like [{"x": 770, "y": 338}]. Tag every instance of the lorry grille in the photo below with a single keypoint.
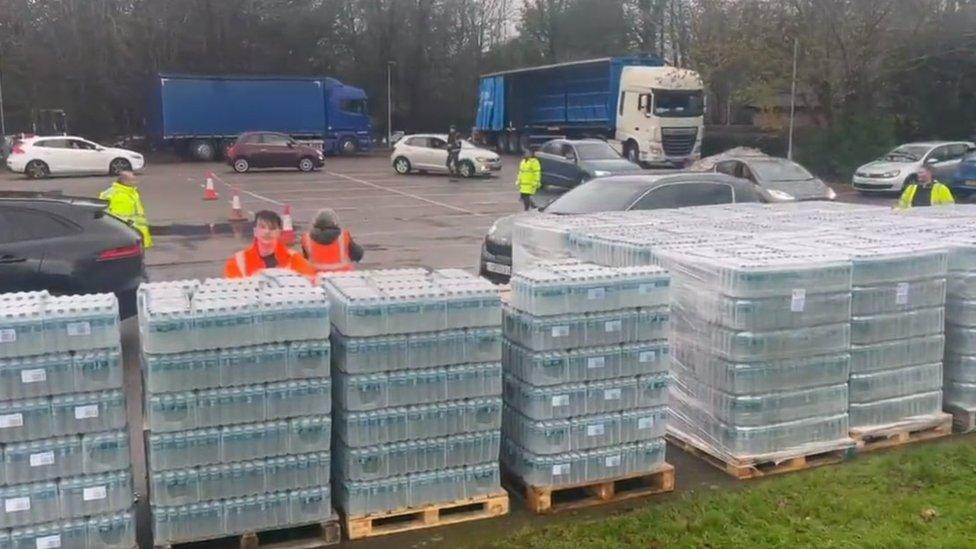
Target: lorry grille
[{"x": 678, "y": 141}]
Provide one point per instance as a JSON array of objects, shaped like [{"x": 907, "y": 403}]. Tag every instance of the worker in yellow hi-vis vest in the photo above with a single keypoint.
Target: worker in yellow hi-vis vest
[
  {"x": 124, "y": 203},
  {"x": 529, "y": 177},
  {"x": 926, "y": 192}
]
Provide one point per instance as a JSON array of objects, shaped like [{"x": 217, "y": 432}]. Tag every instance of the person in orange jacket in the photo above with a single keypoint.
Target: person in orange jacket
[
  {"x": 267, "y": 251},
  {"x": 328, "y": 247}
]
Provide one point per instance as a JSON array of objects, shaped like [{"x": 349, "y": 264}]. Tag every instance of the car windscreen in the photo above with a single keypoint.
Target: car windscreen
[
  {"x": 779, "y": 170},
  {"x": 596, "y": 151},
  {"x": 600, "y": 195},
  {"x": 907, "y": 153}
]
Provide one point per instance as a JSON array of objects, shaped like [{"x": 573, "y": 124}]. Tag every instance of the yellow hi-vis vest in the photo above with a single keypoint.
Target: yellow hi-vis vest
[
  {"x": 940, "y": 195},
  {"x": 529, "y": 175},
  {"x": 124, "y": 203}
]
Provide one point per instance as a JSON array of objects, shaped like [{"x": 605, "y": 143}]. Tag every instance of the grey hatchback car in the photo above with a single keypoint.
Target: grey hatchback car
[{"x": 568, "y": 163}]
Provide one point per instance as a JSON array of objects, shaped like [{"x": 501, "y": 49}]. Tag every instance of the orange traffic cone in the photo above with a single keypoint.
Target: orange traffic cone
[
  {"x": 208, "y": 192},
  {"x": 287, "y": 229},
  {"x": 236, "y": 213}
]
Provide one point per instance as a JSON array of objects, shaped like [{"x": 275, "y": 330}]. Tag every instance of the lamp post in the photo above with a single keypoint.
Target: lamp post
[
  {"x": 3, "y": 123},
  {"x": 789, "y": 147},
  {"x": 389, "y": 102}
]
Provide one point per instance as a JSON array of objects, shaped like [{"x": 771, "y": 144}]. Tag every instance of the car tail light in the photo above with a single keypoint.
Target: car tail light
[
  {"x": 17, "y": 149},
  {"x": 134, "y": 250}
]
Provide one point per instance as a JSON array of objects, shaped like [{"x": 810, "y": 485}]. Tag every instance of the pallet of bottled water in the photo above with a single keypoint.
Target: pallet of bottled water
[
  {"x": 761, "y": 337},
  {"x": 66, "y": 478},
  {"x": 417, "y": 384},
  {"x": 586, "y": 359},
  {"x": 238, "y": 400}
]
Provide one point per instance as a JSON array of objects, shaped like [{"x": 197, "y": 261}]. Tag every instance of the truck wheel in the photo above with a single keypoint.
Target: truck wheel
[
  {"x": 502, "y": 143},
  {"x": 241, "y": 165},
  {"x": 202, "y": 150},
  {"x": 524, "y": 144},
  {"x": 306, "y": 164},
  {"x": 466, "y": 169},
  {"x": 401, "y": 165},
  {"x": 348, "y": 147},
  {"x": 118, "y": 166},
  {"x": 632, "y": 152}
]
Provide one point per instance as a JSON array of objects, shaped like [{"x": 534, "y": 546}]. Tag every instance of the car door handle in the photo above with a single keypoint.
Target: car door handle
[{"x": 11, "y": 259}]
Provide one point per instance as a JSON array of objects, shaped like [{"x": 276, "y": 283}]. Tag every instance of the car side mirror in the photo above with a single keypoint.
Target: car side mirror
[{"x": 291, "y": 144}]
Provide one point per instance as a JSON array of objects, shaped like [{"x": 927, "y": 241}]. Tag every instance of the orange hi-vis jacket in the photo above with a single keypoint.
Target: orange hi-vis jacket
[
  {"x": 248, "y": 262},
  {"x": 329, "y": 258}
]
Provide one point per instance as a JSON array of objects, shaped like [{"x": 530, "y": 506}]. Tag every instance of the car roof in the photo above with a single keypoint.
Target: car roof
[
  {"x": 936, "y": 143},
  {"x": 29, "y": 140},
  {"x": 49, "y": 197},
  {"x": 650, "y": 180}
]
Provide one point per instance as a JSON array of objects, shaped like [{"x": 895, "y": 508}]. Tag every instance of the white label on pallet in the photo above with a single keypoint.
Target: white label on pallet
[
  {"x": 596, "y": 362},
  {"x": 8, "y": 335},
  {"x": 82, "y": 328},
  {"x": 34, "y": 375},
  {"x": 613, "y": 326},
  {"x": 49, "y": 542},
  {"x": 596, "y": 293},
  {"x": 799, "y": 300},
  {"x": 94, "y": 492},
  {"x": 595, "y": 430},
  {"x": 612, "y": 461},
  {"x": 560, "y": 400},
  {"x": 11, "y": 420},
  {"x": 647, "y": 356},
  {"x": 611, "y": 394},
  {"x": 12, "y": 505},
  {"x": 645, "y": 422},
  {"x": 560, "y": 469},
  {"x": 901, "y": 294},
  {"x": 560, "y": 331},
  {"x": 41, "y": 459},
  {"x": 87, "y": 411}
]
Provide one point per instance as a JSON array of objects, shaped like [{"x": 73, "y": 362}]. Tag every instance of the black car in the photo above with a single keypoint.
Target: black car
[
  {"x": 67, "y": 245},
  {"x": 568, "y": 163},
  {"x": 619, "y": 193}
]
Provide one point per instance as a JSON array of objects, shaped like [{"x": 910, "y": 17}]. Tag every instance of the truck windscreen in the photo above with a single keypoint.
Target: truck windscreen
[{"x": 678, "y": 103}]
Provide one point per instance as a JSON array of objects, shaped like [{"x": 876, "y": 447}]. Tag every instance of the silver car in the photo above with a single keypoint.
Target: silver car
[
  {"x": 428, "y": 153},
  {"x": 899, "y": 167}
]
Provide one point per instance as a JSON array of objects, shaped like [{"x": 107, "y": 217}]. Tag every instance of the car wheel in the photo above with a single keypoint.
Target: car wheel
[
  {"x": 401, "y": 165},
  {"x": 36, "y": 169},
  {"x": 306, "y": 164},
  {"x": 466, "y": 169},
  {"x": 241, "y": 165},
  {"x": 202, "y": 150},
  {"x": 118, "y": 166},
  {"x": 632, "y": 152},
  {"x": 348, "y": 147}
]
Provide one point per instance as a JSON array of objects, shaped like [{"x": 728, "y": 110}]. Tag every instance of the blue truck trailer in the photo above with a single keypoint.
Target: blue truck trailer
[
  {"x": 652, "y": 112},
  {"x": 202, "y": 115}
]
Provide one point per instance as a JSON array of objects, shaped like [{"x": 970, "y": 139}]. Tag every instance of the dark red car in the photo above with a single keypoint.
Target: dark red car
[{"x": 272, "y": 150}]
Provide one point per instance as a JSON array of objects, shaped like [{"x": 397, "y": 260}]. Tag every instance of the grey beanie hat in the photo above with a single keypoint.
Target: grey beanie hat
[{"x": 326, "y": 217}]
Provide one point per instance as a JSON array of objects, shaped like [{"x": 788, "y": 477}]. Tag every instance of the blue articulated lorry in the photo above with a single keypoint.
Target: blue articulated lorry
[
  {"x": 202, "y": 115},
  {"x": 651, "y": 111}
]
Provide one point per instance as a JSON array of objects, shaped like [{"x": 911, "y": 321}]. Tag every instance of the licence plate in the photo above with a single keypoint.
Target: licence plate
[{"x": 498, "y": 268}]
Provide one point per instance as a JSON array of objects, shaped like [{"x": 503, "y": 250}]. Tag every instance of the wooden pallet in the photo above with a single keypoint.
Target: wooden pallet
[
  {"x": 746, "y": 467},
  {"x": 428, "y": 516},
  {"x": 963, "y": 419},
  {"x": 309, "y": 536},
  {"x": 869, "y": 439},
  {"x": 553, "y": 499}
]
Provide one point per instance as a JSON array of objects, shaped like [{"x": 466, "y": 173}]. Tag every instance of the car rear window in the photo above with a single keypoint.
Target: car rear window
[{"x": 21, "y": 224}]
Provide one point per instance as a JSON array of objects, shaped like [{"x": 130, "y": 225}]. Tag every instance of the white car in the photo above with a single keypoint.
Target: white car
[
  {"x": 428, "y": 153},
  {"x": 899, "y": 167},
  {"x": 38, "y": 157}
]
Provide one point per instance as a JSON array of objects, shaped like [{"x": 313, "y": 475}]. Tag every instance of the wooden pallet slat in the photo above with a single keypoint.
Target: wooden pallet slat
[
  {"x": 428, "y": 516},
  {"x": 747, "y": 467},
  {"x": 306, "y": 536},
  {"x": 963, "y": 419},
  {"x": 553, "y": 499},
  {"x": 870, "y": 438}
]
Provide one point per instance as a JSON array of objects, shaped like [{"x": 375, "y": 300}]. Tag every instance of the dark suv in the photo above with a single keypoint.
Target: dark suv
[
  {"x": 66, "y": 245},
  {"x": 272, "y": 150}
]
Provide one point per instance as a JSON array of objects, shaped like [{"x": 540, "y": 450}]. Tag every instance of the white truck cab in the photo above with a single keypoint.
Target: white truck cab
[{"x": 660, "y": 115}]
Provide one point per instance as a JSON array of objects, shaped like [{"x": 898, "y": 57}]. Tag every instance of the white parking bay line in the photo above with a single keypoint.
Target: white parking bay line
[{"x": 408, "y": 195}]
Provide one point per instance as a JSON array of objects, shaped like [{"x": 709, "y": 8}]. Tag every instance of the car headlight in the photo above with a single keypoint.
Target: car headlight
[
  {"x": 483, "y": 158},
  {"x": 600, "y": 173},
  {"x": 780, "y": 195},
  {"x": 492, "y": 229},
  {"x": 893, "y": 173},
  {"x": 831, "y": 194}
]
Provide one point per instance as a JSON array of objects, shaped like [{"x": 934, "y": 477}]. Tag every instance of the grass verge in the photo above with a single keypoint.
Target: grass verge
[{"x": 916, "y": 496}]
